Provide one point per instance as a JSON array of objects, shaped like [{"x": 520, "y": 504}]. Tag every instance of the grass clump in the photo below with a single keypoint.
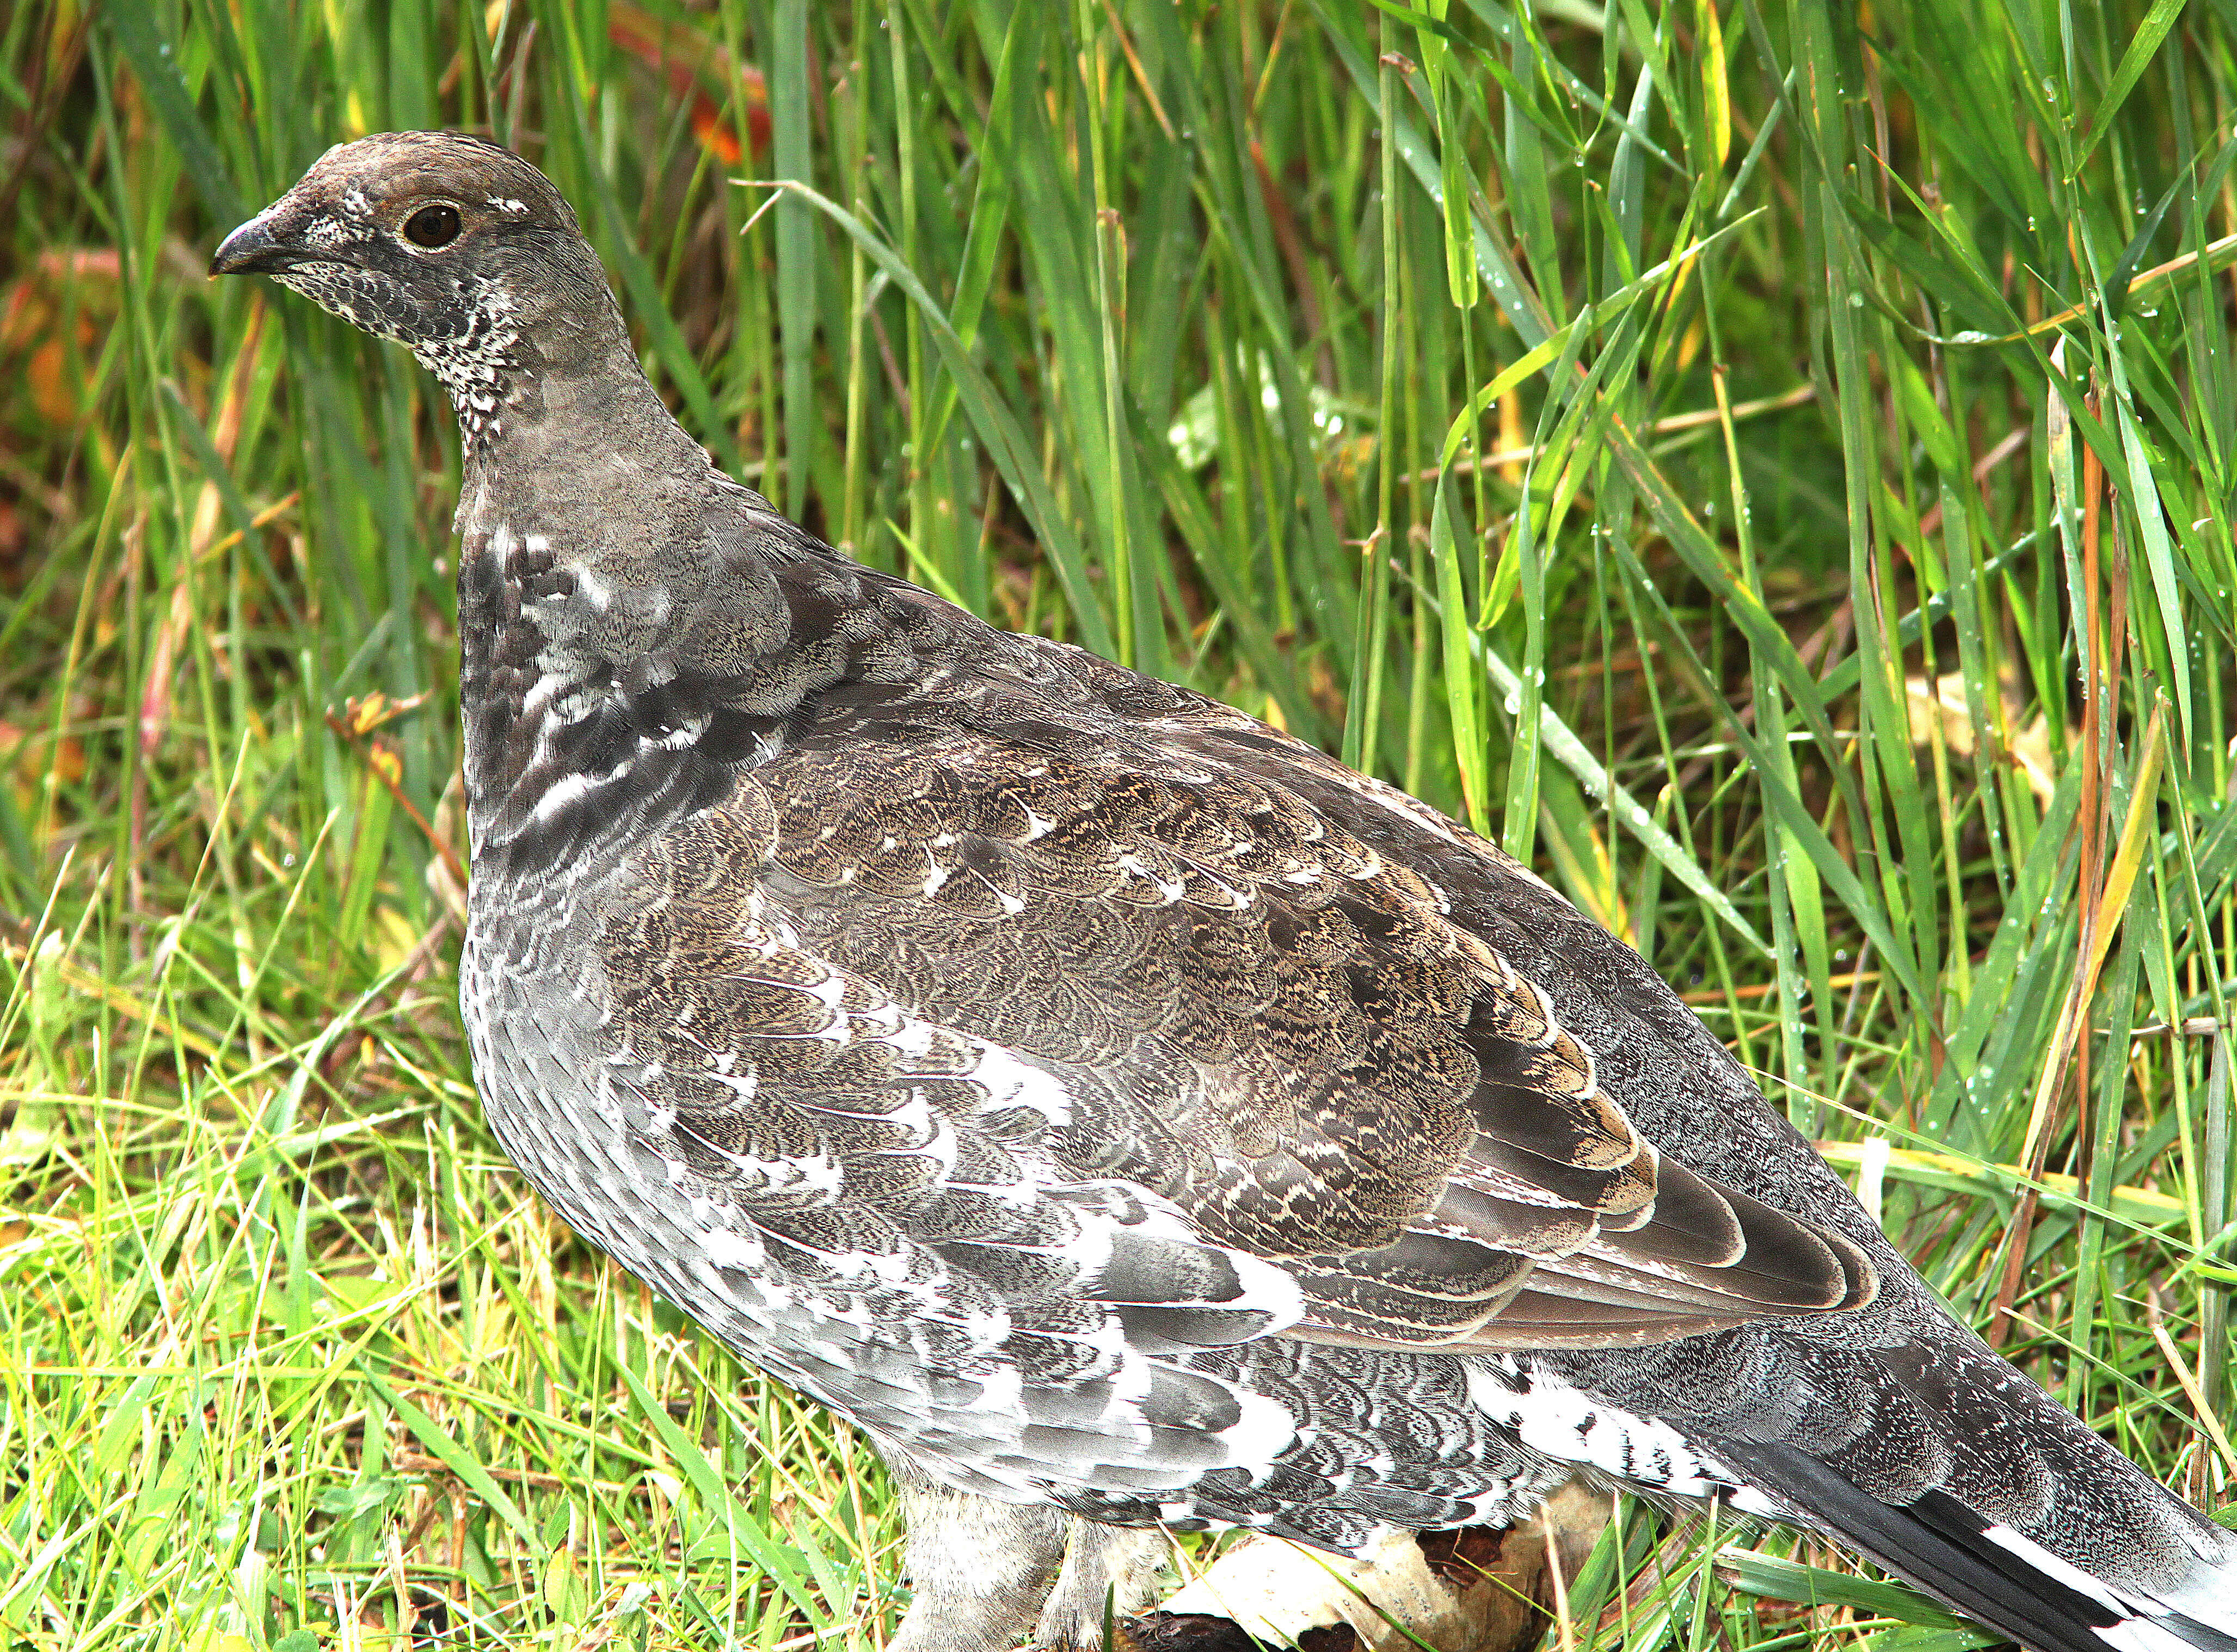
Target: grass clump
[{"x": 1769, "y": 467}]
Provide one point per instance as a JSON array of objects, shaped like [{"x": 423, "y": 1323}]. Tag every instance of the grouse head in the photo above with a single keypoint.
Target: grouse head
[{"x": 449, "y": 244}]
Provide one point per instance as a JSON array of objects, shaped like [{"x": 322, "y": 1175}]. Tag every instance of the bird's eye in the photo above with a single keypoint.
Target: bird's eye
[{"x": 433, "y": 226}]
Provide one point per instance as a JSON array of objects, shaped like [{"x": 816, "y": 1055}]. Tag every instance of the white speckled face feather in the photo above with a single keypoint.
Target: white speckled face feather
[
  {"x": 1123, "y": 1113},
  {"x": 479, "y": 365}
]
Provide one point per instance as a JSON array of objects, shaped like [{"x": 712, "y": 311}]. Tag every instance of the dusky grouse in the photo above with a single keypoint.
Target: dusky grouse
[{"x": 1123, "y": 1113}]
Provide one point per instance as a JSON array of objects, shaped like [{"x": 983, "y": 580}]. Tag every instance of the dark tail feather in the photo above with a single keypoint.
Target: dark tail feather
[{"x": 1944, "y": 1548}]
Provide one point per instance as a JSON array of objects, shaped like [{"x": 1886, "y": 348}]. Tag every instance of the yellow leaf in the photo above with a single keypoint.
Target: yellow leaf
[
  {"x": 394, "y": 936},
  {"x": 1716, "y": 95},
  {"x": 2027, "y": 746},
  {"x": 368, "y": 713}
]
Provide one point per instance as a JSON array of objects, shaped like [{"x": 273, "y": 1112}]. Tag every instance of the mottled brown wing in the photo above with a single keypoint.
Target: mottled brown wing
[{"x": 1285, "y": 1031}]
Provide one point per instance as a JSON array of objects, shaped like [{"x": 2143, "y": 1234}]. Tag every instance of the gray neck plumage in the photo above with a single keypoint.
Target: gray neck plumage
[
  {"x": 521, "y": 359},
  {"x": 636, "y": 629}
]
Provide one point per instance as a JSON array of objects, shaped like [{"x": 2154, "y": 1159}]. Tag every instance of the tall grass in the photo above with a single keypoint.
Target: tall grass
[{"x": 1768, "y": 466}]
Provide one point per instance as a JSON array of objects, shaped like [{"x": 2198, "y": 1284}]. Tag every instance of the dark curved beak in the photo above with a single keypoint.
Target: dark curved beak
[{"x": 258, "y": 248}]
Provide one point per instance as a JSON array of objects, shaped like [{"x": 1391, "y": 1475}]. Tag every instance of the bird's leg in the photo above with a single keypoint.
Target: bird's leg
[
  {"x": 979, "y": 1570},
  {"x": 1116, "y": 1566}
]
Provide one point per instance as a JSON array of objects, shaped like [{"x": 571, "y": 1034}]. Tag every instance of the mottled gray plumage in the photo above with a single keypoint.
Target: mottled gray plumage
[{"x": 1114, "y": 1107}]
